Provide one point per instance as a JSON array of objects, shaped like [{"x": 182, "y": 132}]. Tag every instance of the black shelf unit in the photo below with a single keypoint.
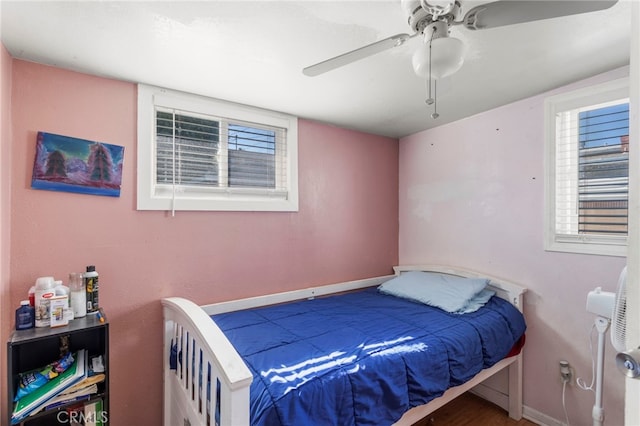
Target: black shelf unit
[{"x": 34, "y": 348}]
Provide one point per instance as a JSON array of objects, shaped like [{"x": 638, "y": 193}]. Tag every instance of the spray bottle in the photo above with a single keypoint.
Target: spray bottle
[{"x": 91, "y": 285}]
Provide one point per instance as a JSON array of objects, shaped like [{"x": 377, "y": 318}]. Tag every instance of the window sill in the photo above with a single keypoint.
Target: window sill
[{"x": 618, "y": 248}]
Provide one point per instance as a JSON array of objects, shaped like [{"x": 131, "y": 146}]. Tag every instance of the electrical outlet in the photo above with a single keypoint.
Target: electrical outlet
[{"x": 565, "y": 372}]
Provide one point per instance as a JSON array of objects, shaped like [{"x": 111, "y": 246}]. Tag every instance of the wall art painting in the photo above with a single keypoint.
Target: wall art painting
[{"x": 63, "y": 163}]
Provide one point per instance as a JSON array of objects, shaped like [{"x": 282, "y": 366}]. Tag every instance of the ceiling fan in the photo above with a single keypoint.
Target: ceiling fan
[{"x": 440, "y": 55}]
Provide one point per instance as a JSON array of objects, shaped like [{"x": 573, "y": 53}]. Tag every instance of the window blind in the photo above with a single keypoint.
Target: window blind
[
  {"x": 604, "y": 169},
  {"x": 217, "y": 153},
  {"x": 252, "y": 156},
  {"x": 592, "y": 170},
  {"x": 186, "y": 149}
]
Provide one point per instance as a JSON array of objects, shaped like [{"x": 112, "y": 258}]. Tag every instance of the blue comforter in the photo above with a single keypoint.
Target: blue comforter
[{"x": 362, "y": 358}]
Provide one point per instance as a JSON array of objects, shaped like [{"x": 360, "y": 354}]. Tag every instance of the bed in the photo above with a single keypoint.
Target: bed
[{"x": 208, "y": 382}]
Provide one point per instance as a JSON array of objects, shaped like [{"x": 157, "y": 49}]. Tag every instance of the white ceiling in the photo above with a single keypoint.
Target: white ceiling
[{"x": 252, "y": 52}]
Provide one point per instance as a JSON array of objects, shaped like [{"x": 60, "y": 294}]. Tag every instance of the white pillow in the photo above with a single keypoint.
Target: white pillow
[{"x": 447, "y": 292}]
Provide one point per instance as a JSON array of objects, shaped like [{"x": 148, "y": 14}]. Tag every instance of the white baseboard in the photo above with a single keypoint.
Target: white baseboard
[
  {"x": 539, "y": 418},
  {"x": 502, "y": 400},
  {"x": 498, "y": 398}
]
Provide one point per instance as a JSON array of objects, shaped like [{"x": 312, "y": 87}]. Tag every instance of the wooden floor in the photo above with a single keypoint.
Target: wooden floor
[{"x": 471, "y": 410}]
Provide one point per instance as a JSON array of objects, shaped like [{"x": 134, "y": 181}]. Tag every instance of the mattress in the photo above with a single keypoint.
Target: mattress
[{"x": 362, "y": 358}]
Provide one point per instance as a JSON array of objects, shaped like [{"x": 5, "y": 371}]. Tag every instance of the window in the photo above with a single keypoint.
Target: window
[
  {"x": 587, "y": 161},
  {"x": 197, "y": 153}
]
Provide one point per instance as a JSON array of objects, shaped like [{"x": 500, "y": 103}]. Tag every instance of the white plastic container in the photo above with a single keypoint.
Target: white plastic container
[
  {"x": 45, "y": 290},
  {"x": 61, "y": 290}
]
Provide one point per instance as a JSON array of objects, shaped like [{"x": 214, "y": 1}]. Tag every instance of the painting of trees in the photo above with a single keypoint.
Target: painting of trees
[{"x": 63, "y": 163}]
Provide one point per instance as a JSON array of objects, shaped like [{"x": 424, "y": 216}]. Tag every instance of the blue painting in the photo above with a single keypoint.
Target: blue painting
[{"x": 69, "y": 164}]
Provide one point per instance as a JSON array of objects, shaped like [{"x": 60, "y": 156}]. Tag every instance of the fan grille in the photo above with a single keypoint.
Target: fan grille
[{"x": 619, "y": 320}]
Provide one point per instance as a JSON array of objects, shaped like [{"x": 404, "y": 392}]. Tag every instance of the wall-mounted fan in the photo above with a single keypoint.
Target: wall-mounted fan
[{"x": 441, "y": 55}]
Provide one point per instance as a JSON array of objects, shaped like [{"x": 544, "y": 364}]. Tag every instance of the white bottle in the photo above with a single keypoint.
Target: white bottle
[
  {"x": 61, "y": 290},
  {"x": 45, "y": 290}
]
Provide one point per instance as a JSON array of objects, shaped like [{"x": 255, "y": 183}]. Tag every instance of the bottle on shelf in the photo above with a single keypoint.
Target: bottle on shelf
[
  {"x": 45, "y": 290},
  {"x": 91, "y": 284},
  {"x": 25, "y": 316}
]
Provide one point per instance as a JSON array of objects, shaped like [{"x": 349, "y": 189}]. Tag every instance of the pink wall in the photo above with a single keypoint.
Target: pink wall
[
  {"x": 472, "y": 194},
  {"x": 346, "y": 228},
  {"x": 5, "y": 215}
]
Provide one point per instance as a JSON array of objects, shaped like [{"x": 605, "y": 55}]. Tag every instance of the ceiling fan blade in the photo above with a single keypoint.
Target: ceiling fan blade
[
  {"x": 357, "y": 54},
  {"x": 508, "y": 12}
]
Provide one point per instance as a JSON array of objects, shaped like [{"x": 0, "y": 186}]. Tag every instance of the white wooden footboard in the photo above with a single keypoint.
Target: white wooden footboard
[
  {"x": 209, "y": 361},
  {"x": 206, "y": 388}
]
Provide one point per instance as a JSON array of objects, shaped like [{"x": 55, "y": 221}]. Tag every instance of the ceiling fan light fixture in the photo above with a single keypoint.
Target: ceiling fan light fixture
[
  {"x": 447, "y": 57},
  {"x": 437, "y": 7}
]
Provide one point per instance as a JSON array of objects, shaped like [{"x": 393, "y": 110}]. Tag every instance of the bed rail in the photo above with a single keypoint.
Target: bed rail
[{"x": 290, "y": 296}]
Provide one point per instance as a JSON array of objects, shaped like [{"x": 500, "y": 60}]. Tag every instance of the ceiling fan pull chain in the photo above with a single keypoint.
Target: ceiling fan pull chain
[
  {"x": 430, "y": 99},
  {"x": 435, "y": 100},
  {"x": 427, "y": 89}
]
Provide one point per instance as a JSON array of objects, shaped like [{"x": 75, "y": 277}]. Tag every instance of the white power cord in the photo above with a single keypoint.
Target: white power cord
[
  {"x": 579, "y": 381},
  {"x": 581, "y": 384},
  {"x": 564, "y": 405}
]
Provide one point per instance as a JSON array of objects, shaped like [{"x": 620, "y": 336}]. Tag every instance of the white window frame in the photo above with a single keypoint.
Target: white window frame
[
  {"x": 156, "y": 197},
  {"x": 598, "y": 244}
]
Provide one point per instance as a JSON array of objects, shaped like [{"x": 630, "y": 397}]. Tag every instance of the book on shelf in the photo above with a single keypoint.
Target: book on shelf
[
  {"x": 37, "y": 399},
  {"x": 81, "y": 391},
  {"x": 94, "y": 415},
  {"x": 88, "y": 381},
  {"x": 65, "y": 398},
  {"x": 75, "y": 414}
]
